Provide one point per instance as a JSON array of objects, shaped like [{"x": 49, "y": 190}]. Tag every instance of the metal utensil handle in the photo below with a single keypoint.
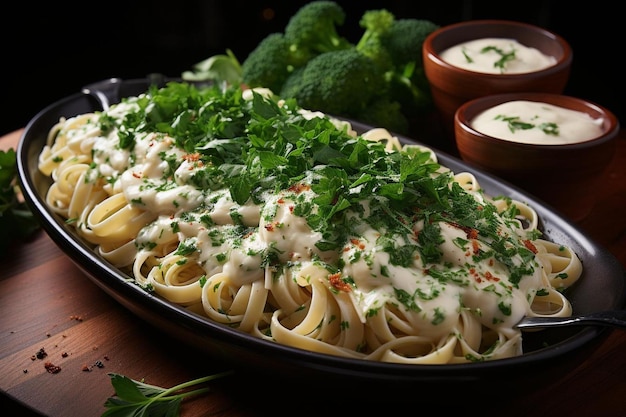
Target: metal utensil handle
[
  {"x": 108, "y": 92},
  {"x": 611, "y": 318},
  {"x": 615, "y": 318}
]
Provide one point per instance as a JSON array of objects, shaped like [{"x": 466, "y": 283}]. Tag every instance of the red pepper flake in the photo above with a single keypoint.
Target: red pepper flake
[
  {"x": 85, "y": 368},
  {"x": 64, "y": 355},
  {"x": 192, "y": 157},
  {"x": 475, "y": 275},
  {"x": 491, "y": 277},
  {"x": 336, "y": 281},
  {"x": 271, "y": 226},
  {"x": 475, "y": 247},
  {"x": 51, "y": 368},
  {"x": 530, "y": 246},
  {"x": 298, "y": 188},
  {"x": 471, "y": 233},
  {"x": 357, "y": 243}
]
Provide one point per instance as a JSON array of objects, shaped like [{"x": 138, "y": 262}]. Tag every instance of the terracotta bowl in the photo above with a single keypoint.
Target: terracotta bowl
[
  {"x": 556, "y": 173},
  {"x": 452, "y": 86}
]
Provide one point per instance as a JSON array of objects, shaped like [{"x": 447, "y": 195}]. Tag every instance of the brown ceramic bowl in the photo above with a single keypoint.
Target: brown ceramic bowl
[
  {"x": 556, "y": 173},
  {"x": 452, "y": 86}
]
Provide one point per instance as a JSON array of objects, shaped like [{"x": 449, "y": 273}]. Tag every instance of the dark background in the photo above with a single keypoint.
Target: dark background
[{"x": 52, "y": 49}]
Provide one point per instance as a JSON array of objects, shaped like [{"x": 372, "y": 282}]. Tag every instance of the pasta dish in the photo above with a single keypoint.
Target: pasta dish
[{"x": 289, "y": 225}]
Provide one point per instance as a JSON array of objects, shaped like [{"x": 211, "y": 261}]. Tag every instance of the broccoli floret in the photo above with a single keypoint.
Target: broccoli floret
[
  {"x": 270, "y": 63},
  {"x": 404, "y": 40},
  {"x": 376, "y": 24},
  {"x": 341, "y": 83},
  {"x": 378, "y": 80},
  {"x": 384, "y": 112},
  {"x": 407, "y": 82},
  {"x": 314, "y": 28}
]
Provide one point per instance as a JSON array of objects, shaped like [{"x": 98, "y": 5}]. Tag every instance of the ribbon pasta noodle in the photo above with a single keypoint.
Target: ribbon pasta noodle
[{"x": 288, "y": 225}]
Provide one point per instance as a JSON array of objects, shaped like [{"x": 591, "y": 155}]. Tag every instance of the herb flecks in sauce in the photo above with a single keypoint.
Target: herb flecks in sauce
[
  {"x": 515, "y": 123},
  {"x": 505, "y": 56}
]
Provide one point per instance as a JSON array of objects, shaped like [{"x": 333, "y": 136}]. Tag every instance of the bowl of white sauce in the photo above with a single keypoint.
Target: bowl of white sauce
[
  {"x": 553, "y": 146},
  {"x": 476, "y": 58}
]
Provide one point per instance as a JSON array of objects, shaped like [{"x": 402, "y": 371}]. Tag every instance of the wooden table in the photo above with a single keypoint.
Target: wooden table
[{"x": 47, "y": 303}]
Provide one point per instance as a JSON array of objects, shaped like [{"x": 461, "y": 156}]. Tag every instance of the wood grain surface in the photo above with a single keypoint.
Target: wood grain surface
[{"x": 47, "y": 305}]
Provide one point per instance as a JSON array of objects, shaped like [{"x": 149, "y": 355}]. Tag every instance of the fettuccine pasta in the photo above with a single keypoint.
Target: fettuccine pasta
[{"x": 288, "y": 225}]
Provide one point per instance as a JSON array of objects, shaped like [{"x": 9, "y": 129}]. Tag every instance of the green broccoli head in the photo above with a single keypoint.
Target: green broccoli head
[
  {"x": 407, "y": 82},
  {"x": 270, "y": 63},
  {"x": 404, "y": 40},
  {"x": 384, "y": 112},
  {"x": 376, "y": 24},
  {"x": 340, "y": 83},
  {"x": 314, "y": 27}
]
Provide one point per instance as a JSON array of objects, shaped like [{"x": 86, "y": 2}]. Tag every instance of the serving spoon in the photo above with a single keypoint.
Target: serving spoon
[{"x": 610, "y": 318}]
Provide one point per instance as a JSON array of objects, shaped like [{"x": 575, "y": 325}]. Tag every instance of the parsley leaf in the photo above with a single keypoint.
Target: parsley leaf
[
  {"x": 16, "y": 219},
  {"x": 138, "y": 399}
]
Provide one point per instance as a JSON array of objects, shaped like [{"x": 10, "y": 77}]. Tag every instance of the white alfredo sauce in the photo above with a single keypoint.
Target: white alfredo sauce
[
  {"x": 497, "y": 56},
  {"x": 237, "y": 239},
  {"x": 537, "y": 123}
]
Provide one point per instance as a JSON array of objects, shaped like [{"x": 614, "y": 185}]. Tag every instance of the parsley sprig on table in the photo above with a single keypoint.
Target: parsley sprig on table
[
  {"x": 137, "y": 399},
  {"x": 16, "y": 220}
]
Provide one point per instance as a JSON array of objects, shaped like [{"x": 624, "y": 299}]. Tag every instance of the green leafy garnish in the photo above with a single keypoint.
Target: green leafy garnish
[
  {"x": 220, "y": 67},
  {"x": 16, "y": 220},
  {"x": 515, "y": 123},
  {"x": 504, "y": 56},
  {"x": 137, "y": 399}
]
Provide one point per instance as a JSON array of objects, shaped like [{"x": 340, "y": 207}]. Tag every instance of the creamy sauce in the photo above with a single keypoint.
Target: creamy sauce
[
  {"x": 273, "y": 224},
  {"x": 420, "y": 272},
  {"x": 537, "y": 123},
  {"x": 497, "y": 56}
]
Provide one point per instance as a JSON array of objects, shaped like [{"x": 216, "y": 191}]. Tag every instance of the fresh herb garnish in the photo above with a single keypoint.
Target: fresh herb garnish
[
  {"x": 17, "y": 222},
  {"x": 504, "y": 56},
  {"x": 137, "y": 399},
  {"x": 466, "y": 55},
  {"x": 515, "y": 123}
]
